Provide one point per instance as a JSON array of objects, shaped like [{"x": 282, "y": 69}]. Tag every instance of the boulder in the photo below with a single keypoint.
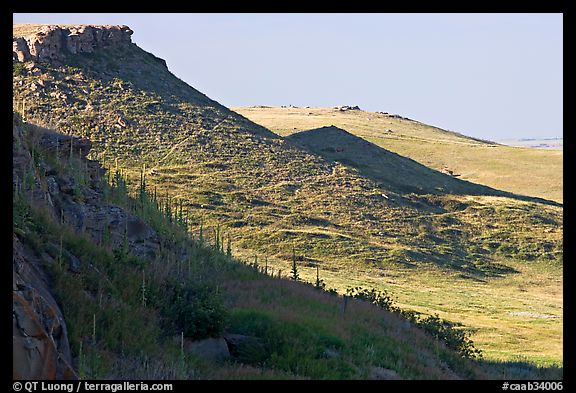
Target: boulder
[
  {"x": 248, "y": 348},
  {"x": 144, "y": 240},
  {"x": 213, "y": 349},
  {"x": 381, "y": 373}
]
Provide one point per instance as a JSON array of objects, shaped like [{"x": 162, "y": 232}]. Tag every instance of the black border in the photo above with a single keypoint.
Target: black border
[
  {"x": 412, "y": 6},
  {"x": 488, "y": 6}
]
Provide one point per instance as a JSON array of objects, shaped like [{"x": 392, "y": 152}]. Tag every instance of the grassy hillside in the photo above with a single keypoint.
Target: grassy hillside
[
  {"x": 297, "y": 331},
  {"x": 531, "y": 172},
  {"x": 273, "y": 196}
]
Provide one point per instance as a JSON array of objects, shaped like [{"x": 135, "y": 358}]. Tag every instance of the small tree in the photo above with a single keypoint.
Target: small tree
[
  {"x": 229, "y": 247},
  {"x": 201, "y": 236},
  {"x": 142, "y": 191},
  {"x": 294, "y": 271},
  {"x": 217, "y": 238},
  {"x": 319, "y": 283},
  {"x": 181, "y": 216}
]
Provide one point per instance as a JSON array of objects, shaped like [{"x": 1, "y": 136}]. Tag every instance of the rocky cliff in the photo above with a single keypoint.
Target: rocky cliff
[
  {"x": 55, "y": 42},
  {"x": 40, "y": 339},
  {"x": 39, "y": 335}
]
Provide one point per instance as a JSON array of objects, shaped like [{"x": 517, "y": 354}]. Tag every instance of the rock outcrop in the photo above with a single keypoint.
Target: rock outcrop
[
  {"x": 40, "y": 339},
  {"x": 82, "y": 206},
  {"x": 55, "y": 42},
  {"x": 40, "y": 348},
  {"x": 344, "y": 108}
]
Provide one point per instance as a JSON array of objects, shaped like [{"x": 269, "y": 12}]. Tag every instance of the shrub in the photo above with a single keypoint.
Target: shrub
[
  {"x": 195, "y": 309},
  {"x": 448, "y": 332},
  {"x": 379, "y": 298}
]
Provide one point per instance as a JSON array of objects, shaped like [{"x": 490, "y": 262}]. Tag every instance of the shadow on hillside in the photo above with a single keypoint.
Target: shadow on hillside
[
  {"x": 398, "y": 173},
  {"x": 520, "y": 370}
]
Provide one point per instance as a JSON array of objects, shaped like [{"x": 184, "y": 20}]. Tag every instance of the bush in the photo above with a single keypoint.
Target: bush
[
  {"x": 448, "y": 332},
  {"x": 197, "y": 310},
  {"x": 379, "y": 298}
]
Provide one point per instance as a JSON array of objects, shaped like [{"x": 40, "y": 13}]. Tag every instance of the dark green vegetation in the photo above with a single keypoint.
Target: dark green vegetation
[{"x": 271, "y": 196}]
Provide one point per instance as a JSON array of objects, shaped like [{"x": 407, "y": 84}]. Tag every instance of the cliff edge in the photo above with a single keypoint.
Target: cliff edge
[{"x": 55, "y": 42}]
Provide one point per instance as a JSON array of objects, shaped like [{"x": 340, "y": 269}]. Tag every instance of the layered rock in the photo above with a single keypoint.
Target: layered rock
[
  {"x": 82, "y": 206},
  {"x": 55, "y": 42},
  {"x": 40, "y": 339},
  {"x": 40, "y": 348}
]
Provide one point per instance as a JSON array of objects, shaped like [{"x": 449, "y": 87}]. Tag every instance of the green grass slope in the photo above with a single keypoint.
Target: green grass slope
[{"x": 272, "y": 195}]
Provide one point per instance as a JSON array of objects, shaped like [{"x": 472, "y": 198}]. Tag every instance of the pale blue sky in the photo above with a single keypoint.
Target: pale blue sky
[{"x": 493, "y": 76}]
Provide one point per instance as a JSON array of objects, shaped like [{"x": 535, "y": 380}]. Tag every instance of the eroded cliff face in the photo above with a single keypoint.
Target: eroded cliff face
[
  {"x": 39, "y": 336},
  {"x": 55, "y": 42},
  {"x": 41, "y": 348}
]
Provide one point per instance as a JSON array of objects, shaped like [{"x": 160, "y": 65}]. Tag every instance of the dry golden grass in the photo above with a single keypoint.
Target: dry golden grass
[{"x": 26, "y": 29}]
